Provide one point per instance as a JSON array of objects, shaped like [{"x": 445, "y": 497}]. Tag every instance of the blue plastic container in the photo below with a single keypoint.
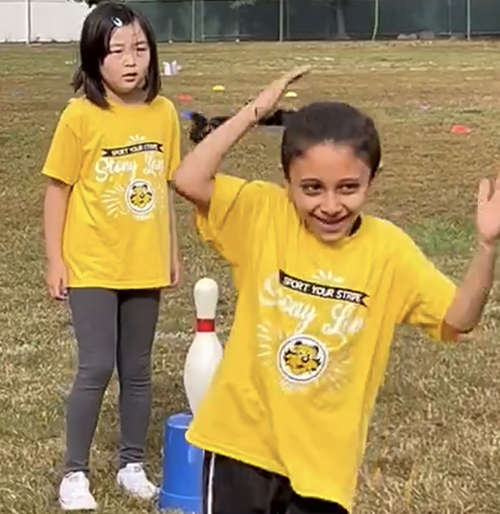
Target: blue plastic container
[{"x": 182, "y": 468}]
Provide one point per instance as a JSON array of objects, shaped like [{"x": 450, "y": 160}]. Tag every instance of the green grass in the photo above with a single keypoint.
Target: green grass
[
  {"x": 434, "y": 443},
  {"x": 440, "y": 237}
]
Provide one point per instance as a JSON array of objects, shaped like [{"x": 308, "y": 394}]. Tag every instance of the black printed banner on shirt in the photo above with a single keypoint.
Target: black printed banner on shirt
[
  {"x": 123, "y": 151},
  {"x": 322, "y": 291}
]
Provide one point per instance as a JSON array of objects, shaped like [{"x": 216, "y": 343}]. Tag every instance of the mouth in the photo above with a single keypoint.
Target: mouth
[
  {"x": 331, "y": 225},
  {"x": 130, "y": 77}
]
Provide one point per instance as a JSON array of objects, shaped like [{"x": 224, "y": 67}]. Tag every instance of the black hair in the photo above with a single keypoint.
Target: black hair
[
  {"x": 201, "y": 126},
  {"x": 94, "y": 47},
  {"x": 336, "y": 122},
  {"x": 312, "y": 125}
]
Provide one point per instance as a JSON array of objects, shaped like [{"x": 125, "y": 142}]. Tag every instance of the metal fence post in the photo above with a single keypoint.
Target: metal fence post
[
  {"x": 281, "y": 20},
  {"x": 29, "y": 22},
  {"x": 469, "y": 24},
  {"x": 376, "y": 19},
  {"x": 193, "y": 21},
  {"x": 202, "y": 21}
]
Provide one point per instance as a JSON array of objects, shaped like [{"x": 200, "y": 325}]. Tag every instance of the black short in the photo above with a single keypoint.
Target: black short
[{"x": 232, "y": 487}]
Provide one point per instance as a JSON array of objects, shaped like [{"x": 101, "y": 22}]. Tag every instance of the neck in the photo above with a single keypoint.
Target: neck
[
  {"x": 355, "y": 226},
  {"x": 135, "y": 97}
]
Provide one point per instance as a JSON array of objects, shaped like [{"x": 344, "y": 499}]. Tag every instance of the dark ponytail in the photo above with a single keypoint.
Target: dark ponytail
[{"x": 201, "y": 126}]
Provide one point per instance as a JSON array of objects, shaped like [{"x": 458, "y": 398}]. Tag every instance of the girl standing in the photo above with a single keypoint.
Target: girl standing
[
  {"x": 321, "y": 287},
  {"x": 110, "y": 235}
]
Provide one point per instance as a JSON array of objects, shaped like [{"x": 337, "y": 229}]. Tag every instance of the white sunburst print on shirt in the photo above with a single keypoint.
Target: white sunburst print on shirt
[
  {"x": 328, "y": 277},
  {"x": 305, "y": 361},
  {"x": 114, "y": 200},
  {"x": 132, "y": 175}
]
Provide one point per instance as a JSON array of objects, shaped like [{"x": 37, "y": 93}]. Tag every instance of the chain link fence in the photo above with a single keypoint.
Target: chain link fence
[{"x": 292, "y": 20}]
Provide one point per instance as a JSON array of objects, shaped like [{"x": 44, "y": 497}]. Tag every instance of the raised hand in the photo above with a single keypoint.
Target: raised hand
[
  {"x": 488, "y": 211},
  {"x": 269, "y": 97}
]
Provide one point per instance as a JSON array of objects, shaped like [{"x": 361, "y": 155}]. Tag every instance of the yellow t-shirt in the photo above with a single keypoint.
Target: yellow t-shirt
[
  {"x": 118, "y": 162},
  {"x": 311, "y": 336}
]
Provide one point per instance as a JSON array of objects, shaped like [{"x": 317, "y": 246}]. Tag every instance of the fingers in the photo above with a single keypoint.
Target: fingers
[
  {"x": 497, "y": 182},
  {"x": 292, "y": 76},
  {"x": 55, "y": 292},
  {"x": 485, "y": 192},
  {"x": 63, "y": 293},
  {"x": 52, "y": 291},
  {"x": 63, "y": 287},
  {"x": 297, "y": 73},
  {"x": 176, "y": 279},
  {"x": 174, "y": 275},
  {"x": 57, "y": 289}
]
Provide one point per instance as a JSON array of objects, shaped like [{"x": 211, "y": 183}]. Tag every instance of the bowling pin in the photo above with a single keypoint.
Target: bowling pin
[{"x": 206, "y": 350}]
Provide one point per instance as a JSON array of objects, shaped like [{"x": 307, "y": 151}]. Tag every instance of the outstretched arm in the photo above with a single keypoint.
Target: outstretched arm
[
  {"x": 467, "y": 307},
  {"x": 194, "y": 177}
]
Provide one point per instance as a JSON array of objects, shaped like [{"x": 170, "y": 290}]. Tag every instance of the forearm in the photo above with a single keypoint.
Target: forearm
[
  {"x": 193, "y": 178},
  {"x": 467, "y": 307},
  {"x": 54, "y": 215},
  {"x": 174, "y": 248}
]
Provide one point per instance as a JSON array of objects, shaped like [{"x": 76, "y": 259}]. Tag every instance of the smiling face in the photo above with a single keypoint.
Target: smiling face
[
  {"x": 328, "y": 185},
  {"x": 125, "y": 67}
]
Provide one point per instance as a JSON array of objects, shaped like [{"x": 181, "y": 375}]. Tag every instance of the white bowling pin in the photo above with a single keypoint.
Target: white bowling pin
[
  {"x": 167, "y": 69},
  {"x": 206, "y": 350}
]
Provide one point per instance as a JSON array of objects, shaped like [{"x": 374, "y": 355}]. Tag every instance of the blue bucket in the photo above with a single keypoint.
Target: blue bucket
[{"x": 182, "y": 487}]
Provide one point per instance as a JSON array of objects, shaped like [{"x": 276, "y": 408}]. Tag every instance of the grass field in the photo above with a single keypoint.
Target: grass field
[{"x": 435, "y": 440}]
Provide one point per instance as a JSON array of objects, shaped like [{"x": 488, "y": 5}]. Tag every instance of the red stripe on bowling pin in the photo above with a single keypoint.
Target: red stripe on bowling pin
[{"x": 205, "y": 325}]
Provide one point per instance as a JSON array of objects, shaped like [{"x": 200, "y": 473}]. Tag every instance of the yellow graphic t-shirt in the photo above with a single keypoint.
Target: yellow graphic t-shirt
[
  {"x": 118, "y": 162},
  {"x": 311, "y": 336}
]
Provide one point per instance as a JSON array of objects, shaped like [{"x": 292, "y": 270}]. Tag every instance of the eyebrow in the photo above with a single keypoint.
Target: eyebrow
[
  {"x": 341, "y": 182},
  {"x": 349, "y": 180},
  {"x": 310, "y": 179},
  {"x": 121, "y": 45}
]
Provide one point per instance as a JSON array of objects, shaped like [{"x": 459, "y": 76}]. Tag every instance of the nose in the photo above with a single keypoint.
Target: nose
[
  {"x": 130, "y": 59},
  {"x": 331, "y": 205}
]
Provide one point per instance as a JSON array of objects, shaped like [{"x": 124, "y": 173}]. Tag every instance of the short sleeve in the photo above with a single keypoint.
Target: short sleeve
[
  {"x": 430, "y": 292},
  {"x": 173, "y": 142},
  {"x": 235, "y": 214},
  {"x": 64, "y": 158}
]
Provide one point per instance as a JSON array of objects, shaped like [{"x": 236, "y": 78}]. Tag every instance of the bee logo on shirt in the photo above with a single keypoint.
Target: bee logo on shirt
[
  {"x": 302, "y": 359},
  {"x": 140, "y": 197}
]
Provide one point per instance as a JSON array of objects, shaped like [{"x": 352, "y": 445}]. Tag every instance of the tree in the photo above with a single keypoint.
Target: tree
[{"x": 340, "y": 7}]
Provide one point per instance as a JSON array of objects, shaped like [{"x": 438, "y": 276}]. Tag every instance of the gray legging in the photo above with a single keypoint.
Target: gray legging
[{"x": 111, "y": 327}]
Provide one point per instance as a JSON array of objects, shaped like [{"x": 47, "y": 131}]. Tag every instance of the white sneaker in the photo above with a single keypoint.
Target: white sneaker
[
  {"x": 74, "y": 492},
  {"x": 135, "y": 482}
]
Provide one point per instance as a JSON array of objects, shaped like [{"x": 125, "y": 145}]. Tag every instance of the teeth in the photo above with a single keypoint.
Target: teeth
[{"x": 331, "y": 222}]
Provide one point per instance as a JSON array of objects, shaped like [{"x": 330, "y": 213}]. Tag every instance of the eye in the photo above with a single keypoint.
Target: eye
[
  {"x": 347, "y": 189},
  {"x": 142, "y": 49},
  {"x": 311, "y": 189}
]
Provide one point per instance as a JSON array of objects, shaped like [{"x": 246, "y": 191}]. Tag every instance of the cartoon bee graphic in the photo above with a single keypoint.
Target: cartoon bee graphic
[
  {"x": 140, "y": 197},
  {"x": 302, "y": 359}
]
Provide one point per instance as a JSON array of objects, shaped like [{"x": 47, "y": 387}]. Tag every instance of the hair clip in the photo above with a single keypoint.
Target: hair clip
[{"x": 117, "y": 22}]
